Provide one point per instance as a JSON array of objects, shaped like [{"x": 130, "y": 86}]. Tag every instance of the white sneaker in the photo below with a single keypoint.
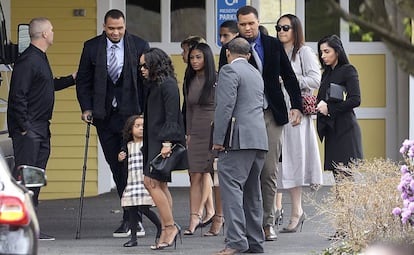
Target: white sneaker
[{"x": 140, "y": 230}]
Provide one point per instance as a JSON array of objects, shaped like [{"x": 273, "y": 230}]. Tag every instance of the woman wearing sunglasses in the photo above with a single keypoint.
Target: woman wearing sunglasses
[
  {"x": 300, "y": 155},
  {"x": 163, "y": 127}
]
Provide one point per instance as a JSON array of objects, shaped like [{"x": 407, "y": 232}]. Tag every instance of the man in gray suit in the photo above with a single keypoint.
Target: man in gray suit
[{"x": 242, "y": 148}]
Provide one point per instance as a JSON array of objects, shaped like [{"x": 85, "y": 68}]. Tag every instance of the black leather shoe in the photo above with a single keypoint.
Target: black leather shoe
[
  {"x": 255, "y": 248},
  {"x": 253, "y": 251},
  {"x": 123, "y": 230},
  {"x": 131, "y": 243}
]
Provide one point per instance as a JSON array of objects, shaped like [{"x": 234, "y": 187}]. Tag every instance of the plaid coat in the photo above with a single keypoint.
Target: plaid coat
[{"x": 135, "y": 193}]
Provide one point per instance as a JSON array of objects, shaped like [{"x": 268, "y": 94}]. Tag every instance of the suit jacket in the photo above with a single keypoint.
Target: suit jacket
[
  {"x": 240, "y": 94},
  {"x": 92, "y": 78},
  {"x": 276, "y": 63}
]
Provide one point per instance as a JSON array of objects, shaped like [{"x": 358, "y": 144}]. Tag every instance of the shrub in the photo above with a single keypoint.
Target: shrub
[{"x": 360, "y": 208}]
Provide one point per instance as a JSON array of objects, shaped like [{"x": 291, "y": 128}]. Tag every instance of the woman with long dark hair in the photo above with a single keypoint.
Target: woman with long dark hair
[
  {"x": 336, "y": 121},
  {"x": 163, "y": 127},
  {"x": 300, "y": 155},
  {"x": 199, "y": 82}
]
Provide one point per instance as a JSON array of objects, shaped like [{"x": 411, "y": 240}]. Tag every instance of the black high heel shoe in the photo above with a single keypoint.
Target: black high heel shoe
[
  {"x": 279, "y": 217},
  {"x": 208, "y": 222},
  {"x": 163, "y": 245},
  {"x": 295, "y": 229},
  {"x": 188, "y": 231}
]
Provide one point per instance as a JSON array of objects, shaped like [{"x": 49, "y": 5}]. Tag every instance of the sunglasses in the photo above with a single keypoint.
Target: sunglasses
[
  {"x": 143, "y": 66},
  {"x": 284, "y": 27}
]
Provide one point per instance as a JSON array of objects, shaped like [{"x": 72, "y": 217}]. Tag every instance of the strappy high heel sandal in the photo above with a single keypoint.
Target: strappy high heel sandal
[
  {"x": 218, "y": 223},
  {"x": 279, "y": 217},
  {"x": 188, "y": 231},
  {"x": 163, "y": 245}
]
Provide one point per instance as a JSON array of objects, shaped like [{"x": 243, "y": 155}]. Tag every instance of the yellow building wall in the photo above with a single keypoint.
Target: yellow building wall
[
  {"x": 372, "y": 81},
  {"x": 64, "y": 169},
  {"x": 371, "y": 70}
]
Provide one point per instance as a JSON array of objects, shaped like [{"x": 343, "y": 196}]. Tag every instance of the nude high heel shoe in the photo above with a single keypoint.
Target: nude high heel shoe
[
  {"x": 190, "y": 232},
  {"x": 295, "y": 229},
  {"x": 218, "y": 223}
]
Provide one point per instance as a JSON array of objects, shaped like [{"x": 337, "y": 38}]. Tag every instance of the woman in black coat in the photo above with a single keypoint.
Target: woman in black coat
[
  {"x": 163, "y": 127},
  {"x": 336, "y": 120}
]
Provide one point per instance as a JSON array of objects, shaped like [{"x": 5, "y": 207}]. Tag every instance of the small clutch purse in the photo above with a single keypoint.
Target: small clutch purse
[
  {"x": 335, "y": 93},
  {"x": 164, "y": 166},
  {"x": 309, "y": 104}
]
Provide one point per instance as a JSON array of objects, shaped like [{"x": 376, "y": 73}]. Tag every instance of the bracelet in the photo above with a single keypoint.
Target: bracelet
[{"x": 167, "y": 144}]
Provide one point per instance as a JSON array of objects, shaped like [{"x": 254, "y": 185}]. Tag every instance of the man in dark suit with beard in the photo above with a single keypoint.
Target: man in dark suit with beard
[
  {"x": 269, "y": 57},
  {"x": 109, "y": 90}
]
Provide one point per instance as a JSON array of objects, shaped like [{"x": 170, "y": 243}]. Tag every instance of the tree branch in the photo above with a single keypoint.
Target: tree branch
[
  {"x": 401, "y": 48},
  {"x": 405, "y": 6}
]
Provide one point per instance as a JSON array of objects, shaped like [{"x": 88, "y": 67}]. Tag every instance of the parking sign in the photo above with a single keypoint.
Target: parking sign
[{"x": 226, "y": 10}]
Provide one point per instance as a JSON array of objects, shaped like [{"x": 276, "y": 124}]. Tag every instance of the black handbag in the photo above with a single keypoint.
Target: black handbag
[
  {"x": 164, "y": 166},
  {"x": 335, "y": 93}
]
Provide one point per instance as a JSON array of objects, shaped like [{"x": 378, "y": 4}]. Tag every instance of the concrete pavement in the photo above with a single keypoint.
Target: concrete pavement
[{"x": 102, "y": 214}]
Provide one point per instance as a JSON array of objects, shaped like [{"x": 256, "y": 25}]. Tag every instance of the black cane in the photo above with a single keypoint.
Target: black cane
[{"x": 78, "y": 228}]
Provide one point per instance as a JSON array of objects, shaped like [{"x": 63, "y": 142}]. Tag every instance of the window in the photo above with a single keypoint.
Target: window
[
  {"x": 355, "y": 33},
  {"x": 318, "y": 22},
  {"x": 188, "y": 17},
  {"x": 143, "y": 18}
]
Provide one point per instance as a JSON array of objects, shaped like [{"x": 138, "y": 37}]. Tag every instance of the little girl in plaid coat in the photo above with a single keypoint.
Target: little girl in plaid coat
[{"x": 135, "y": 197}]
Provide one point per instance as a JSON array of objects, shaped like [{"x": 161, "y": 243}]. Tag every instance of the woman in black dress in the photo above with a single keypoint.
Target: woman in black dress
[
  {"x": 163, "y": 127},
  {"x": 336, "y": 120}
]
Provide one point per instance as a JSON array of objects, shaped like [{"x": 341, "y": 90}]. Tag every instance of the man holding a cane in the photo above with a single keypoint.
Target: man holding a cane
[{"x": 109, "y": 90}]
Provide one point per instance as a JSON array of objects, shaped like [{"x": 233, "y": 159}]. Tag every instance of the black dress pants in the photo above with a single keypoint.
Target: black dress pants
[{"x": 31, "y": 149}]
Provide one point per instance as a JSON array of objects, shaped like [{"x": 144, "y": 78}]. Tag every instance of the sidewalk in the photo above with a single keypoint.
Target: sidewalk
[{"x": 102, "y": 214}]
